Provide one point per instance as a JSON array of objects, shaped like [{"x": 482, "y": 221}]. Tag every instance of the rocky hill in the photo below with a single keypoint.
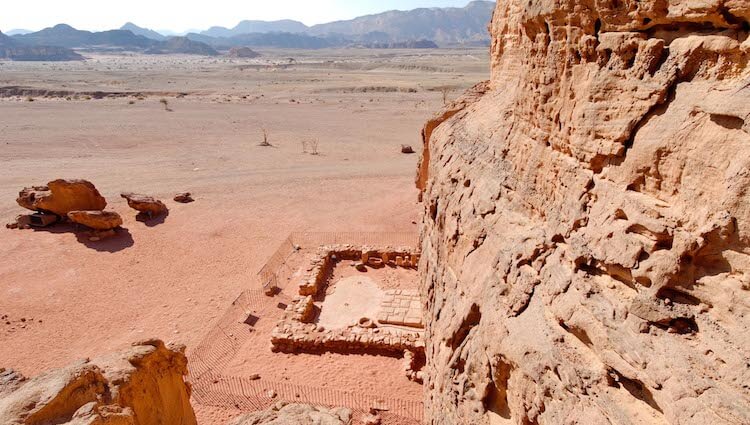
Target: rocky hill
[
  {"x": 450, "y": 25},
  {"x": 242, "y": 53},
  {"x": 11, "y": 49},
  {"x": 145, "y": 32},
  {"x": 66, "y": 36},
  {"x": 182, "y": 45},
  {"x": 586, "y": 230}
]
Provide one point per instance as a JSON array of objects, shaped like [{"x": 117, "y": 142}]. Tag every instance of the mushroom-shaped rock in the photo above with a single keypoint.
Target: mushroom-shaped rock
[
  {"x": 62, "y": 196},
  {"x": 145, "y": 204},
  {"x": 97, "y": 220}
]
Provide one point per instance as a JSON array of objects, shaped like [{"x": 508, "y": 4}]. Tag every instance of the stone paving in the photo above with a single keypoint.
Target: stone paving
[{"x": 401, "y": 307}]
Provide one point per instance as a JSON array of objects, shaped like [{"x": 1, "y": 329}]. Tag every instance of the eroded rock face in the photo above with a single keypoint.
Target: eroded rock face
[
  {"x": 141, "y": 386},
  {"x": 586, "y": 233},
  {"x": 62, "y": 196},
  {"x": 297, "y": 414},
  {"x": 97, "y": 220}
]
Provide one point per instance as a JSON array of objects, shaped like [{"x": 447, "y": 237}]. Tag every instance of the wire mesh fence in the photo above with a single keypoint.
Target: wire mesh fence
[{"x": 213, "y": 386}]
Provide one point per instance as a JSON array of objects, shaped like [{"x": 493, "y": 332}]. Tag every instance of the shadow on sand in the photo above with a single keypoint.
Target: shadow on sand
[
  {"x": 122, "y": 240},
  {"x": 152, "y": 221}
]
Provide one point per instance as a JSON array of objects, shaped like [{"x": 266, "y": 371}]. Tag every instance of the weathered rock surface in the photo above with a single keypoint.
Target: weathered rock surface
[
  {"x": 97, "y": 220},
  {"x": 586, "y": 230},
  {"x": 141, "y": 386},
  {"x": 62, "y": 196},
  {"x": 296, "y": 414},
  {"x": 145, "y": 204}
]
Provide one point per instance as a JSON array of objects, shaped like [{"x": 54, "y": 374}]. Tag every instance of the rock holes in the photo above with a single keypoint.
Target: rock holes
[
  {"x": 472, "y": 319},
  {"x": 495, "y": 400},
  {"x": 636, "y": 389}
]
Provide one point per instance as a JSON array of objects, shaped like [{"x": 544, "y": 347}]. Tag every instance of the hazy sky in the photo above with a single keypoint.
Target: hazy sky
[{"x": 180, "y": 15}]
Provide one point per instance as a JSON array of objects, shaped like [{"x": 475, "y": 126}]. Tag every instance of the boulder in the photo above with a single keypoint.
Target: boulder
[
  {"x": 407, "y": 149},
  {"x": 184, "y": 198},
  {"x": 143, "y": 385},
  {"x": 62, "y": 196},
  {"x": 145, "y": 204},
  {"x": 97, "y": 220},
  {"x": 297, "y": 414}
]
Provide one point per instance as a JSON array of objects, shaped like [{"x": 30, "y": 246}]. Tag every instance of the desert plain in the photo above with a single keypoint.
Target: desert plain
[{"x": 335, "y": 119}]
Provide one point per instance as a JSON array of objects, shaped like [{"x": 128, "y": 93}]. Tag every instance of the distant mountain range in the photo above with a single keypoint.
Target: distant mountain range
[
  {"x": 135, "y": 29},
  {"x": 418, "y": 28},
  {"x": 66, "y": 36},
  {"x": 249, "y": 27},
  {"x": 13, "y": 50},
  {"x": 450, "y": 25}
]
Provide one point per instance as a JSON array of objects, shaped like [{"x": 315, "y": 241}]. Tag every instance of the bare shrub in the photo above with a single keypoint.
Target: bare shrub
[
  {"x": 310, "y": 146},
  {"x": 445, "y": 91},
  {"x": 165, "y": 102},
  {"x": 265, "y": 141},
  {"x": 313, "y": 143}
]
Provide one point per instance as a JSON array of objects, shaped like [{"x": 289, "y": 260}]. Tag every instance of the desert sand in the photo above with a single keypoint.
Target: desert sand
[{"x": 65, "y": 297}]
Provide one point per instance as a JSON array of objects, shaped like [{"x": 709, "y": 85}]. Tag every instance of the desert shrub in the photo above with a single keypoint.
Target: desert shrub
[
  {"x": 165, "y": 102},
  {"x": 265, "y": 141},
  {"x": 313, "y": 144}
]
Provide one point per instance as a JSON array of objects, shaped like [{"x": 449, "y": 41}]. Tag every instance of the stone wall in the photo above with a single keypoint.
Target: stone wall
[
  {"x": 586, "y": 227},
  {"x": 321, "y": 266}
]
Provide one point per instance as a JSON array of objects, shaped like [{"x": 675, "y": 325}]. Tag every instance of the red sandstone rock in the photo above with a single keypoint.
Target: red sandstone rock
[
  {"x": 141, "y": 386},
  {"x": 184, "y": 198},
  {"x": 145, "y": 204},
  {"x": 586, "y": 227},
  {"x": 97, "y": 220},
  {"x": 62, "y": 196}
]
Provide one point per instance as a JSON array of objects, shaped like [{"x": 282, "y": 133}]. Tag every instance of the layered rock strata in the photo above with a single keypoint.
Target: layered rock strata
[{"x": 586, "y": 230}]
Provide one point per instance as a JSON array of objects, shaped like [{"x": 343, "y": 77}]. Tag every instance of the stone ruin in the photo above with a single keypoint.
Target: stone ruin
[{"x": 398, "y": 329}]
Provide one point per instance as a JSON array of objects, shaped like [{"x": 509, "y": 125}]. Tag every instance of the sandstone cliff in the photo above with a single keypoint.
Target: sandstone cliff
[
  {"x": 141, "y": 386},
  {"x": 586, "y": 233}
]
